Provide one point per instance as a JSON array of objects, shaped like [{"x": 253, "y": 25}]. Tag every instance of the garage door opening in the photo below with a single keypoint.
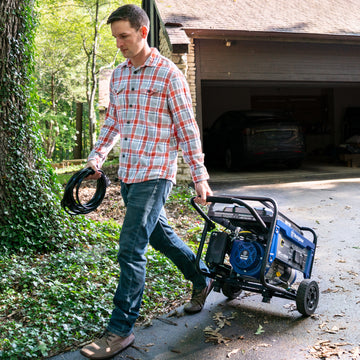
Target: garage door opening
[{"x": 320, "y": 109}]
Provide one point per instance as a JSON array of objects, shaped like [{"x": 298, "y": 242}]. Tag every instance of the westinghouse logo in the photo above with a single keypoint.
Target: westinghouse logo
[{"x": 297, "y": 237}]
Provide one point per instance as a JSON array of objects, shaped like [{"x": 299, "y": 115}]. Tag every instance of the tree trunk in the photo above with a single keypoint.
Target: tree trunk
[
  {"x": 93, "y": 79},
  {"x": 12, "y": 100},
  {"x": 30, "y": 212},
  {"x": 50, "y": 141},
  {"x": 79, "y": 130}
]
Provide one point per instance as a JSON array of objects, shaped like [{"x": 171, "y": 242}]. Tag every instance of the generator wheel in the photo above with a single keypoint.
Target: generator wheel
[
  {"x": 307, "y": 297},
  {"x": 231, "y": 291}
]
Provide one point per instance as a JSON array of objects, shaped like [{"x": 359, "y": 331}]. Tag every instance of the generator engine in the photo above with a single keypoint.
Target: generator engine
[
  {"x": 246, "y": 253},
  {"x": 246, "y": 258}
]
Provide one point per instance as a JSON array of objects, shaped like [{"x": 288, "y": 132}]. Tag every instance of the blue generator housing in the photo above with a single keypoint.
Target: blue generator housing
[
  {"x": 292, "y": 248},
  {"x": 257, "y": 249}
]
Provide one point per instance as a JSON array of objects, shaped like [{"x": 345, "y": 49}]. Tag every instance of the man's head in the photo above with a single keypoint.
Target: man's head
[
  {"x": 136, "y": 16},
  {"x": 130, "y": 28}
]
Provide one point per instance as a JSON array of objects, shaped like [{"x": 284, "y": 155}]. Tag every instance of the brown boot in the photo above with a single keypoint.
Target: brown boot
[
  {"x": 107, "y": 346},
  {"x": 198, "y": 299}
]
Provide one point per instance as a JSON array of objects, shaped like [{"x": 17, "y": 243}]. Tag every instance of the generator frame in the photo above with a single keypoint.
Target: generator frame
[{"x": 231, "y": 283}]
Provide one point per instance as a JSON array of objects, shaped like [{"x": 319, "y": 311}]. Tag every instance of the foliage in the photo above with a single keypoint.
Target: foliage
[
  {"x": 65, "y": 33},
  {"x": 57, "y": 127},
  {"x": 57, "y": 301},
  {"x": 65, "y": 42}
]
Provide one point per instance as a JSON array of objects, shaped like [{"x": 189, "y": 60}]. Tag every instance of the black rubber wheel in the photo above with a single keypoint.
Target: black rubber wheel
[
  {"x": 231, "y": 291},
  {"x": 307, "y": 297}
]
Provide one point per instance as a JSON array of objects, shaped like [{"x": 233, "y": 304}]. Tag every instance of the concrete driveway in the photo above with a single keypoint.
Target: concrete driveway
[{"x": 246, "y": 328}]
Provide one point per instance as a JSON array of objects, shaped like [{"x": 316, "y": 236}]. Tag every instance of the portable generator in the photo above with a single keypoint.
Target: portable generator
[{"x": 247, "y": 244}]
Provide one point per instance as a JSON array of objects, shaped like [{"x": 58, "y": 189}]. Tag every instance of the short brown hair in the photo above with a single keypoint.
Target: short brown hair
[{"x": 136, "y": 16}]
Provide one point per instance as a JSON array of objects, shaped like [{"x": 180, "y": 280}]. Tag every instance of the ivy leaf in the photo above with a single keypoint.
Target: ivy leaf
[
  {"x": 43, "y": 348},
  {"x": 259, "y": 330}
]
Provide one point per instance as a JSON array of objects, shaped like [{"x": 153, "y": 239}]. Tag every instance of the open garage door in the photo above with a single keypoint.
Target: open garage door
[{"x": 316, "y": 82}]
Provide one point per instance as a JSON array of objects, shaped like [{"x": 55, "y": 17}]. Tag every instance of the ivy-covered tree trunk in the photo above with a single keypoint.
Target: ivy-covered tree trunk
[
  {"x": 13, "y": 67},
  {"x": 30, "y": 215}
]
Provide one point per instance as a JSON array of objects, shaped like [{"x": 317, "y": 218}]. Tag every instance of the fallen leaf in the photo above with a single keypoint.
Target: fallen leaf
[
  {"x": 259, "y": 330},
  {"x": 328, "y": 290},
  {"x": 341, "y": 288},
  {"x": 213, "y": 335},
  {"x": 321, "y": 326},
  {"x": 232, "y": 352},
  {"x": 290, "y": 307},
  {"x": 324, "y": 349},
  {"x": 221, "y": 320}
]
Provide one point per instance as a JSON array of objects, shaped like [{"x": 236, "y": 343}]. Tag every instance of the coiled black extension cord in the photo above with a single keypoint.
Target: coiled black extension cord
[{"x": 73, "y": 205}]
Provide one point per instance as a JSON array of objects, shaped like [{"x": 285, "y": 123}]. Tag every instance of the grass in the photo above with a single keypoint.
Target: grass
[{"x": 50, "y": 303}]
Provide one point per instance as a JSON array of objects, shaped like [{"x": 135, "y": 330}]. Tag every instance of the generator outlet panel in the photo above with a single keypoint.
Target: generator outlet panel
[{"x": 292, "y": 248}]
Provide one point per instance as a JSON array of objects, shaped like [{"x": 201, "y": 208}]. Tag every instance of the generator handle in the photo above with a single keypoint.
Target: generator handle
[
  {"x": 232, "y": 200},
  {"x": 302, "y": 228},
  {"x": 314, "y": 242},
  {"x": 209, "y": 222}
]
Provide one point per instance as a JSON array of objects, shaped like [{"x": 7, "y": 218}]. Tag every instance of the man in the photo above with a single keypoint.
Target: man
[{"x": 150, "y": 111}]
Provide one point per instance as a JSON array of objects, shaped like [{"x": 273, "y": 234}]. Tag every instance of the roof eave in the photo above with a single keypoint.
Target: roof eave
[{"x": 271, "y": 36}]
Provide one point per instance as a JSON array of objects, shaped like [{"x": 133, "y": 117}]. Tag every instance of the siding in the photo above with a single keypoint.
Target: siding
[{"x": 279, "y": 61}]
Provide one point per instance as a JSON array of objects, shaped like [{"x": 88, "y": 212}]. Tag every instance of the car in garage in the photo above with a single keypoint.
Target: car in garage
[{"x": 243, "y": 138}]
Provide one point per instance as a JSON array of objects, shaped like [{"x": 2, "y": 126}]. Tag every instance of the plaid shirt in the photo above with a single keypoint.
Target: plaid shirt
[{"x": 150, "y": 111}]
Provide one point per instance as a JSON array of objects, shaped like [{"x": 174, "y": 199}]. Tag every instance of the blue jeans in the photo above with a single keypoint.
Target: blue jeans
[{"x": 145, "y": 221}]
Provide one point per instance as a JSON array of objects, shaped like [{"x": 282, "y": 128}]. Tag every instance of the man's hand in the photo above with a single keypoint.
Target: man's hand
[
  {"x": 203, "y": 190},
  {"x": 92, "y": 164}
]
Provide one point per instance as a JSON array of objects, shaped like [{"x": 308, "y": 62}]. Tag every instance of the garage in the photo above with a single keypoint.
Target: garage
[{"x": 314, "y": 82}]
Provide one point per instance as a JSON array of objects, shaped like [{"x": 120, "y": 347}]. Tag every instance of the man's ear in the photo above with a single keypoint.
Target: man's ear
[{"x": 144, "y": 32}]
